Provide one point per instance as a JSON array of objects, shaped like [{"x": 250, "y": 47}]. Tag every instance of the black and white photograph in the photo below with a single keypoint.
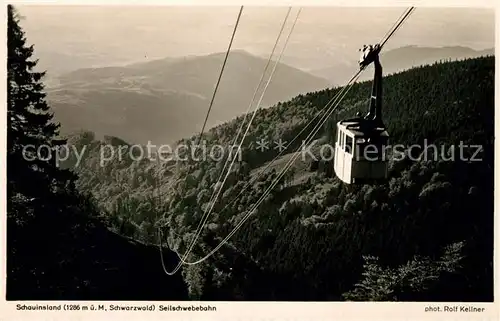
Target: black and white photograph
[{"x": 249, "y": 153}]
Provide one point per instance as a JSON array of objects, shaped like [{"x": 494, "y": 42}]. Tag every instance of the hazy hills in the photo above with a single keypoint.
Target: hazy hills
[
  {"x": 398, "y": 60},
  {"x": 164, "y": 100}
]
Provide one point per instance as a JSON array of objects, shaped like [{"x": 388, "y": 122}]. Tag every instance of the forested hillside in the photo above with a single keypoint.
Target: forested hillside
[{"x": 427, "y": 234}]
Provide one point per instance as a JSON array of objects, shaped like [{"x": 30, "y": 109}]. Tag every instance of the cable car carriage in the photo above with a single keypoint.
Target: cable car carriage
[{"x": 360, "y": 147}]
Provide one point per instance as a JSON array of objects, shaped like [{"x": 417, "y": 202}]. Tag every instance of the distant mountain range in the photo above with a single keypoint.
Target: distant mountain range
[
  {"x": 164, "y": 100},
  {"x": 397, "y": 60},
  {"x": 167, "y": 99}
]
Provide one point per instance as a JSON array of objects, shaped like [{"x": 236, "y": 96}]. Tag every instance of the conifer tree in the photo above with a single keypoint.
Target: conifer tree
[
  {"x": 46, "y": 216},
  {"x": 32, "y": 177}
]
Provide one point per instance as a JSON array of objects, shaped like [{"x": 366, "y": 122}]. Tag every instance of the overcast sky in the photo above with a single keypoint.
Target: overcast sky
[{"x": 99, "y": 35}]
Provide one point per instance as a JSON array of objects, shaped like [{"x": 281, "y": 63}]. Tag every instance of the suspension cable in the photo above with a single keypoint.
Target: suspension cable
[
  {"x": 213, "y": 199},
  {"x": 344, "y": 91},
  {"x": 270, "y": 163},
  {"x": 221, "y": 73},
  {"x": 410, "y": 11},
  {"x": 250, "y": 123},
  {"x": 273, "y": 184},
  {"x": 294, "y": 157},
  {"x": 249, "y": 107},
  {"x": 203, "y": 221},
  {"x": 394, "y": 25},
  {"x": 215, "y": 91},
  {"x": 384, "y": 39}
]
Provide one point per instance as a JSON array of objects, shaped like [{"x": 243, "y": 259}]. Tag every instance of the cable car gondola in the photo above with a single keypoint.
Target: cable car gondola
[{"x": 360, "y": 144}]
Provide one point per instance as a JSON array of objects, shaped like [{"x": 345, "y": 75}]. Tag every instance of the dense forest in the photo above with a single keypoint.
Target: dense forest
[{"x": 425, "y": 235}]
